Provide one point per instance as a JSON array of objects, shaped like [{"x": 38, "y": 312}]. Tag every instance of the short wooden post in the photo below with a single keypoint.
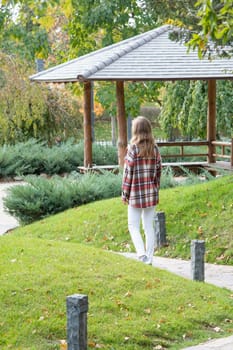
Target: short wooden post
[
  {"x": 77, "y": 307},
  {"x": 160, "y": 229},
  {"x": 197, "y": 260}
]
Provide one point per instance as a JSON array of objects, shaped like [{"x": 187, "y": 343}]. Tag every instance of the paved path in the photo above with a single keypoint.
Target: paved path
[
  {"x": 7, "y": 222},
  {"x": 221, "y": 276}
]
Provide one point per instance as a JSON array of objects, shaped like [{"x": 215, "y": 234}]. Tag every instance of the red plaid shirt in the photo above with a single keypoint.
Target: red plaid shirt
[{"x": 141, "y": 179}]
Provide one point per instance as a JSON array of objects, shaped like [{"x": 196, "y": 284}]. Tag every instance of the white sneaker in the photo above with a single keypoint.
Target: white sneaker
[{"x": 145, "y": 260}]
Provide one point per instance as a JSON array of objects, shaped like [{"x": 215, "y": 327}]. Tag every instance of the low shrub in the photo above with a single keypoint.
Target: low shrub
[
  {"x": 35, "y": 157},
  {"x": 8, "y": 162},
  {"x": 104, "y": 154},
  {"x": 41, "y": 197}
]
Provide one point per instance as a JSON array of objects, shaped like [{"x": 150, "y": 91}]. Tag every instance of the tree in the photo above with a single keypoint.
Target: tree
[
  {"x": 97, "y": 23},
  {"x": 205, "y": 25},
  {"x": 181, "y": 13},
  {"x": 35, "y": 29},
  {"x": 185, "y": 108},
  {"x": 30, "y": 110},
  {"x": 135, "y": 95},
  {"x": 20, "y": 34},
  {"x": 216, "y": 27}
]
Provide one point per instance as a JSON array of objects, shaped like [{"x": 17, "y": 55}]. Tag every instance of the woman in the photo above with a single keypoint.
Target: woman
[{"x": 140, "y": 186}]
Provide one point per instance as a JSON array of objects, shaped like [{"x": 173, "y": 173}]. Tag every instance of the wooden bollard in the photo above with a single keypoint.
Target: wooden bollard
[
  {"x": 160, "y": 229},
  {"x": 77, "y": 307},
  {"x": 197, "y": 260}
]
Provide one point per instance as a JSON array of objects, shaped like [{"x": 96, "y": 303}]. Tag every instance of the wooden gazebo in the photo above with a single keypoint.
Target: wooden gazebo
[{"x": 148, "y": 56}]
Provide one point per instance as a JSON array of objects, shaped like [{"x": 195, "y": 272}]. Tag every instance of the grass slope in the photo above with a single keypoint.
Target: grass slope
[
  {"x": 131, "y": 306},
  {"x": 201, "y": 211}
]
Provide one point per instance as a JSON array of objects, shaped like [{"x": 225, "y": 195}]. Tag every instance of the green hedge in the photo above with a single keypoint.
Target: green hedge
[
  {"x": 35, "y": 157},
  {"x": 41, "y": 197}
]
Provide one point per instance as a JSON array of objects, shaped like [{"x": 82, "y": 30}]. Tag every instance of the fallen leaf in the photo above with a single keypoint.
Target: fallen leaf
[
  {"x": 217, "y": 329},
  {"x": 147, "y": 311},
  {"x": 149, "y": 285},
  {"x": 221, "y": 257},
  {"x": 63, "y": 344}
]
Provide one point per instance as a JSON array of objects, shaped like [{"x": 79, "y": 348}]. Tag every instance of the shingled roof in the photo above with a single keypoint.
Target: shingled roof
[{"x": 148, "y": 56}]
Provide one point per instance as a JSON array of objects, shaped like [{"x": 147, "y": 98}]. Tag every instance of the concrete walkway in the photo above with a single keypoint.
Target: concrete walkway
[
  {"x": 7, "y": 222},
  {"x": 221, "y": 276}
]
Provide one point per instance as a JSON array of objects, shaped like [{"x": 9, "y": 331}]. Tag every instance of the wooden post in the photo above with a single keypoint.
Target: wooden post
[
  {"x": 122, "y": 123},
  {"x": 87, "y": 125},
  {"x": 211, "y": 119},
  {"x": 92, "y": 113},
  {"x": 77, "y": 307}
]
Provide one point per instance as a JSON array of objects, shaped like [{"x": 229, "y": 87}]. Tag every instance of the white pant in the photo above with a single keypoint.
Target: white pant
[{"x": 134, "y": 218}]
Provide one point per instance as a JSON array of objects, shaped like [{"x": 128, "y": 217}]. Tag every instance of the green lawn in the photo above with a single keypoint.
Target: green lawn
[
  {"x": 132, "y": 306},
  {"x": 201, "y": 211}
]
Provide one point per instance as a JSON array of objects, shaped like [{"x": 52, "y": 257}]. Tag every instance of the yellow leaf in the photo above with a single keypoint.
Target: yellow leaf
[
  {"x": 149, "y": 285},
  {"x": 91, "y": 344}
]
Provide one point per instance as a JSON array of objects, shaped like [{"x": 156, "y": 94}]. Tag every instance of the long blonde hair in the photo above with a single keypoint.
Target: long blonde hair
[{"x": 142, "y": 137}]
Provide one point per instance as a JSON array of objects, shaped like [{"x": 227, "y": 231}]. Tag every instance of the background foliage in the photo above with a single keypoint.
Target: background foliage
[
  {"x": 58, "y": 30},
  {"x": 30, "y": 110},
  {"x": 184, "y": 109}
]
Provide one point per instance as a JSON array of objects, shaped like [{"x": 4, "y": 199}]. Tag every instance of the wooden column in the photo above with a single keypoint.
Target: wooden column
[
  {"x": 211, "y": 119},
  {"x": 122, "y": 123},
  {"x": 87, "y": 125}
]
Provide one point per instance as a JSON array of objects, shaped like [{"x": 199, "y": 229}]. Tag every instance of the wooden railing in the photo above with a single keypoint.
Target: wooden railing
[
  {"x": 182, "y": 145},
  {"x": 224, "y": 146},
  {"x": 225, "y": 152}
]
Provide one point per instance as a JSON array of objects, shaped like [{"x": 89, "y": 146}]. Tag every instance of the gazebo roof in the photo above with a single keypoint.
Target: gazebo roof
[{"x": 148, "y": 56}]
